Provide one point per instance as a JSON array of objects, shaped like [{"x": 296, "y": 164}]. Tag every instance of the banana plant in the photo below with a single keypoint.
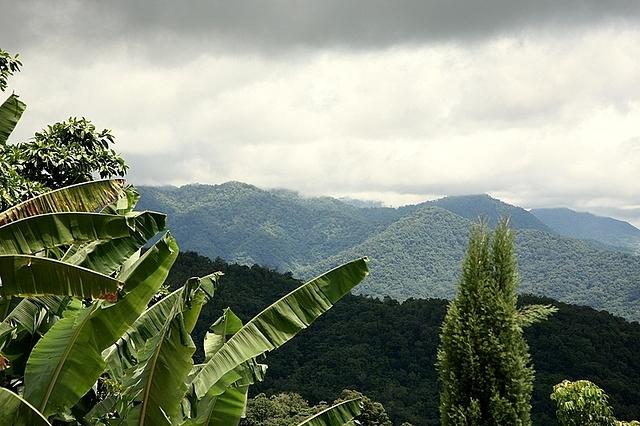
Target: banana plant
[{"x": 75, "y": 294}]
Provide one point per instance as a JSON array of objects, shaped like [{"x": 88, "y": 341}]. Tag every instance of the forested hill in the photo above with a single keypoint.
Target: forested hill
[
  {"x": 248, "y": 225},
  {"x": 387, "y": 349},
  {"x": 415, "y": 251},
  {"x": 420, "y": 256},
  {"x": 475, "y": 206},
  {"x": 588, "y": 226}
]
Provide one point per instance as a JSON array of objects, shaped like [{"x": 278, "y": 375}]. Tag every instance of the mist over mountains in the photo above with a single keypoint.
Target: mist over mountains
[{"x": 415, "y": 250}]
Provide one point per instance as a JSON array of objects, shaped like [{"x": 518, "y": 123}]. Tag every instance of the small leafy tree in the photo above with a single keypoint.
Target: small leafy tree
[
  {"x": 483, "y": 360},
  {"x": 68, "y": 153},
  {"x": 8, "y": 66},
  {"x": 63, "y": 154},
  {"x": 582, "y": 403}
]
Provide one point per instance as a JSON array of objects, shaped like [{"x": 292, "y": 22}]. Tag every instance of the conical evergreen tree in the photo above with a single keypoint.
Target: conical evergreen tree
[{"x": 483, "y": 360}]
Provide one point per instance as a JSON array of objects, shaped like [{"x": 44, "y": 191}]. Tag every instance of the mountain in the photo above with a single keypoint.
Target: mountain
[
  {"x": 245, "y": 224},
  {"x": 420, "y": 256},
  {"x": 475, "y": 206},
  {"x": 587, "y": 226},
  {"x": 361, "y": 203},
  {"x": 415, "y": 251},
  {"x": 387, "y": 349}
]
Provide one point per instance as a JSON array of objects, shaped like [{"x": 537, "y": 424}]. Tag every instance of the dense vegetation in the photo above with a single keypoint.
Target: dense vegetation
[
  {"x": 88, "y": 333},
  {"x": 483, "y": 364},
  {"x": 387, "y": 349},
  {"x": 289, "y": 409},
  {"x": 415, "y": 251},
  {"x": 587, "y": 226},
  {"x": 475, "y": 206},
  {"x": 582, "y": 403}
]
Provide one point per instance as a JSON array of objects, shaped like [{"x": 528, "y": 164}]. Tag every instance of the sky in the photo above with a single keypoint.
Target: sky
[{"x": 533, "y": 102}]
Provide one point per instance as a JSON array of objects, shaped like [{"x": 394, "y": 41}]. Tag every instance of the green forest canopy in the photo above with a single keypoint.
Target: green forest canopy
[{"x": 387, "y": 349}]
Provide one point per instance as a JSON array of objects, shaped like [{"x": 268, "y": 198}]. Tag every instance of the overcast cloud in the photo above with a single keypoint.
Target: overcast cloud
[{"x": 536, "y": 103}]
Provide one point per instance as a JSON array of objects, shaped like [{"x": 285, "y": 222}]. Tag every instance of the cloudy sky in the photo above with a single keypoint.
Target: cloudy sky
[{"x": 533, "y": 102}]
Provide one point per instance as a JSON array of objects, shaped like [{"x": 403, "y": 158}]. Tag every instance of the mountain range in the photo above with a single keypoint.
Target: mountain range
[
  {"x": 614, "y": 233},
  {"x": 415, "y": 250}
]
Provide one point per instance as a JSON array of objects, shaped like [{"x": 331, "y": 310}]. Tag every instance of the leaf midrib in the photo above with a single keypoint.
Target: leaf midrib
[
  {"x": 63, "y": 359},
  {"x": 156, "y": 354}
]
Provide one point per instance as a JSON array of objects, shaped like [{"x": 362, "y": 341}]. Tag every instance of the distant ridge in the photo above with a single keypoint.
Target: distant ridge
[
  {"x": 482, "y": 205},
  {"x": 588, "y": 226},
  {"x": 415, "y": 250}
]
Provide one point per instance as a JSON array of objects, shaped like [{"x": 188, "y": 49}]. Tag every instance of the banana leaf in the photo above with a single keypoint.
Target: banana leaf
[
  {"x": 229, "y": 407},
  {"x": 25, "y": 311},
  {"x": 336, "y": 415},
  {"x": 67, "y": 361},
  {"x": 83, "y": 197},
  {"x": 155, "y": 386},
  {"x": 107, "y": 256},
  {"x": 5, "y": 333},
  {"x": 18, "y": 412},
  {"x": 125, "y": 203},
  {"x": 278, "y": 323},
  {"x": 27, "y": 275},
  {"x": 124, "y": 353},
  {"x": 225, "y": 402},
  {"x": 220, "y": 331},
  {"x": 10, "y": 112},
  {"x": 37, "y": 233}
]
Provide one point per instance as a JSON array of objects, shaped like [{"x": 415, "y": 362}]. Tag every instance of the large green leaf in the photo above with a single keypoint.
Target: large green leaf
[
  {"x": 25, "y": 310},
  {"x": 336, "y": 415},
  {"x": 10, "y": 112},
  {"x": 5, "y": 333},
  {"x": 155, "y": 386},
  {"x": 107, "y": 256},
  {"x": 229, "y": 407},
  {"x": 219, "y": 400},
  {"x": 27, "y": 275},
  {"x": 18, "y": 412},
  {"x": 36, "y": 233},
  {"x": 67, "y": 361},
  {"x": 26, "y": 315},
  {"x": 124, "y": 353},
  {"x": 83, "y": 197},
  {"x": 221, "y": 331},
  {"x": 280, "y": 322},
  {"x": 225, "y": 402}
]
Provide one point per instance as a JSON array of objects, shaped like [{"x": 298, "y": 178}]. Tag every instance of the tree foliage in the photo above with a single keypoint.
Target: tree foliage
[
  {"x": 387, "y": 349},
  {"x": 483, "y": 360},
  {"x": 67, "y": 153},
  {"x": 63, "y": 154},
  {"x": 582, "y": 403},
  {"x": 290, "y": 409},
  {"x": 9, "y": 65}
]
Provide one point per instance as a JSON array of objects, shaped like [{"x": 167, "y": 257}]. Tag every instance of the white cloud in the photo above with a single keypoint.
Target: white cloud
[{"x": 537, "y": 119}]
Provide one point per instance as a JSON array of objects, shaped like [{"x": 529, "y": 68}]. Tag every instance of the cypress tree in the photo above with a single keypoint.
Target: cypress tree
[{"x": 483, "y": 361}]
